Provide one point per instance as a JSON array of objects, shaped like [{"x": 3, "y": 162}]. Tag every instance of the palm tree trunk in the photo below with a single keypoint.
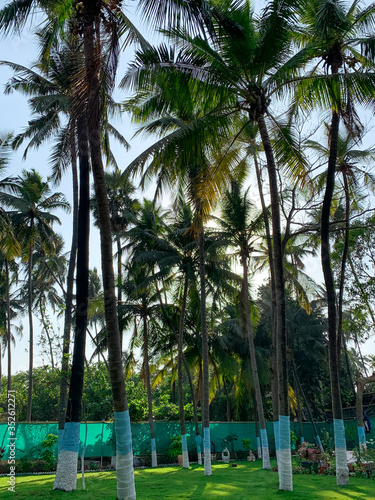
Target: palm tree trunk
[
  {"x": 146, "y": 368},
  {"x": 31, "y": 337},
  {"x": 64, "y": 381},
  {"x": 285, "y": 462},
  {"x": 191, "y": 385},
  {"x": 205, "y": 398},
  {"x": 340, "y": 335},
  {"x": 124, "y": 454},
  {"x": 274, "y": 381},
  {"x": 342, "y": 474},
  {"x": 185, "y": 455},
  {"x": 9, "y": 335},
  {"x": 119, "y": 277},
  {"x": 66, "y": 474},
  {"x": 254, "y": 368},
  {"x": 45, "y": 326}
]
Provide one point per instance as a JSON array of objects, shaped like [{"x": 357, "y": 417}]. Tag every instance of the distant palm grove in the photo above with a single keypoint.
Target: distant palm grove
[{"x": 249, "y": 294}]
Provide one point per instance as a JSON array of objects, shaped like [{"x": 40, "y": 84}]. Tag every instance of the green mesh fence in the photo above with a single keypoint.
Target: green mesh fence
[{"x": 100, "y": 439}]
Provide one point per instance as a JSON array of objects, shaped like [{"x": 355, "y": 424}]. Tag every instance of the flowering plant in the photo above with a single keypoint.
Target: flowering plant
[
  {"x": 307, "y": 451},
  {"x": 2, "y": 452}
]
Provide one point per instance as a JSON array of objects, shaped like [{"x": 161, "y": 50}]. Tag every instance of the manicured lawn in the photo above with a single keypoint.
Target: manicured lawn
[{"x": 246, "y": 481}]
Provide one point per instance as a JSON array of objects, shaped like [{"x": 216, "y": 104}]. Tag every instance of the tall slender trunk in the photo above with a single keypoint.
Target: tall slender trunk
[
  {"x": 66, "y": 474},
  {"x": 342, "y": 474},
  {"x": 124, "y": 454},
  {"x": 274, "y": 380},
  {"x": 205, "y": 398},
  {"x": 254, "y": 367},
  {"x": 341, "y": 341},
  {"x": 185, "y": 456},
  {"x": 31, "y": 336},
  {"x": 64, "y": 381},
  {"x": 191, "y": 385},
  {"x": 45, "y": 326},
  {"x": 9, "y": 335},
  {"x": 119, "y": 277},
  {"x": 285, "y": 462},
  {"x": 146, "y": 368},
  {"x": 343, "y": 267}
]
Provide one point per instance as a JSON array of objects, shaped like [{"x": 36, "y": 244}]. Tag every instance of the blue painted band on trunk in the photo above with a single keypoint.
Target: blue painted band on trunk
[
  {"x": 263, "y": 435},
  {"x": 284, "y": 432},
  {"x": 183, "y": 442},
  {"x": 206, "y": 439},
  {"x": 153, "y": 444},
  {"x": 70, "y": 437},
  {"x": 361, "y": 435},
  {"x": 123, "y": 432},
  {"x": 303, "y": 439},
  {"x": 319, "y": 441},
  {"x": 258, "y": 442},
  {"x": 198, "y": 441},
  {"x": 339, "y": 431},
  {"x": 276, "y": 432}
]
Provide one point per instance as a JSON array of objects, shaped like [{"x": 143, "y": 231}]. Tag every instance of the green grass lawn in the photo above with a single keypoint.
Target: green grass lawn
[{"x": 246, "y": 481}]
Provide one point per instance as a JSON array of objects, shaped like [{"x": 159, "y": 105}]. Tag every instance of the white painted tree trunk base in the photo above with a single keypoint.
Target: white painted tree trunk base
[
  {"x": 185, "y": 460},
  {"x": 266, "y": 458},
  {"x": 66, "y": 473},
  {"x": 342, "y": 471},
  {"x": 285, "y": 470},
  {"x": 154, "y": 459},
  {"x": 199, "y": 458},
  {"x": 207, "y": 462},
  {"x": 125, "y": 477}
]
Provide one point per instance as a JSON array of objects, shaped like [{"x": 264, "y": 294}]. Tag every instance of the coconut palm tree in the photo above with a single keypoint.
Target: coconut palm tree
[
  {"x": 31, "y": 203},
  {"x": 240, "y": 224},
  {"x": 337, "y": 35}
]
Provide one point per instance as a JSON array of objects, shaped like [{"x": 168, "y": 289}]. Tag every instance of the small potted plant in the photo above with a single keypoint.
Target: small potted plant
[
  {"x": 175, "y": 449},
  {"x": 246, "y": 443}
]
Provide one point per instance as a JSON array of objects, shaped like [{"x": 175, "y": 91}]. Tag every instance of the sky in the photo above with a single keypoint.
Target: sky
[{"x": 14, "y": 113}]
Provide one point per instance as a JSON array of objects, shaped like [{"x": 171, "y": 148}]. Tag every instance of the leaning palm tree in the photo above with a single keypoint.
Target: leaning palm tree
[
  {"x": 31, "y": 203},
  {"x": 240, "y": 224},
  {"x": 336, "y": 34}
]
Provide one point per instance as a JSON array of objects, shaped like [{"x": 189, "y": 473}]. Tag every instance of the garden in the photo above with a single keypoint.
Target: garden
[
  {"x": 246, "y": 481},
  {"x": 187, "y": 234}
]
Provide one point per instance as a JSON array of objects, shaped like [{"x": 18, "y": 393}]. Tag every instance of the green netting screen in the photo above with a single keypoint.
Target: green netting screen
[{"x": 100, "y": 439}]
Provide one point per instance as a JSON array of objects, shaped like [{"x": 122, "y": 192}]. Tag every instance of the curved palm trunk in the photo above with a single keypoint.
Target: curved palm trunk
[
  {"x": 254, "y": 368},
  {"x": 205, "y": 389},
  {"x": 146, "y": 367},
  {"x": 64, "y": 381},
  {"x": 45, "y": 326},
  {"x": 340, "y": 335},
  {"x": 342, "y": 472},
  {"x": 31, "y": 337},
  {"x": 198, "y": 439},
  {"x": 285, "y": 459},
  {"x": 124, "y": 454},
  {"x": 66, "y": 474},
  {"x": 274, "y": 378},
  {"x": 185, "y": 455}
]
